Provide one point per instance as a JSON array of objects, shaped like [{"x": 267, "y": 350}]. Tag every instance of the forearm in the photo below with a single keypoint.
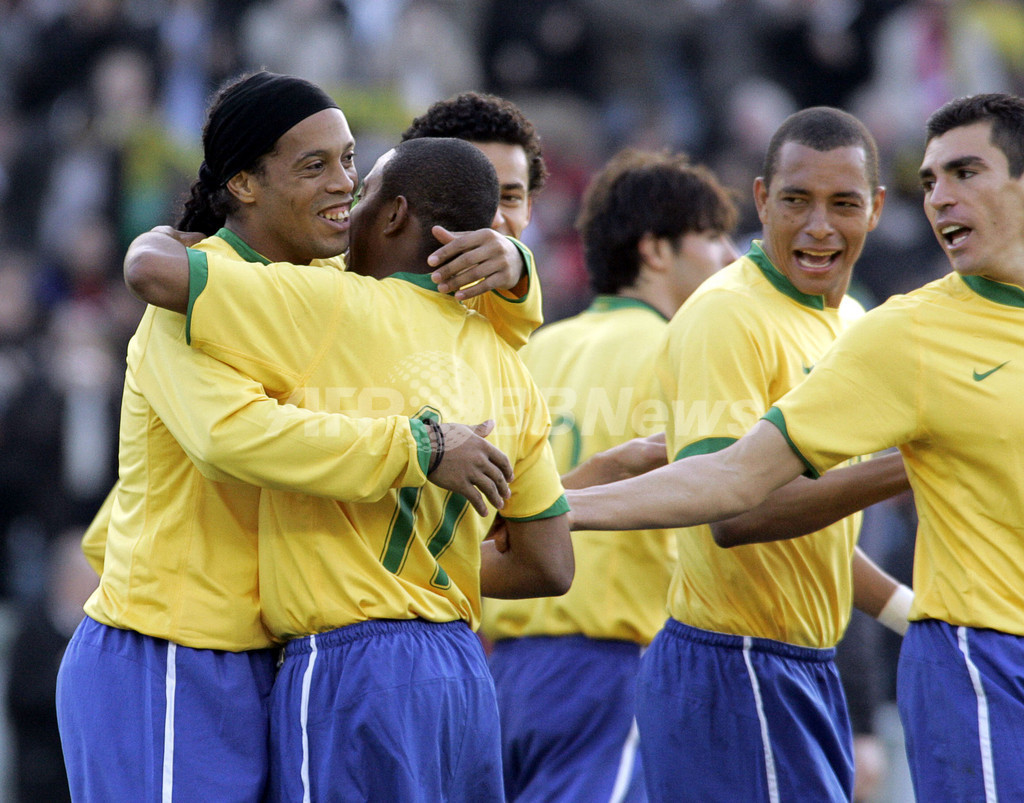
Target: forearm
[
  {"x": 805, "y": 506},
  {"x": 292, "y": 449},
  {"x": 537, "y": 562},
  {"x": 231, "y": 429},
  {"x": 156, "y": 271},
  {"x": 691, "y": 491},
  {"x": 626, "y": 460}
]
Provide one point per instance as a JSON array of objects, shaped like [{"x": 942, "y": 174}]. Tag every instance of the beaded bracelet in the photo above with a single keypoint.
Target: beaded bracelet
[{"x": 438, "y": 444}]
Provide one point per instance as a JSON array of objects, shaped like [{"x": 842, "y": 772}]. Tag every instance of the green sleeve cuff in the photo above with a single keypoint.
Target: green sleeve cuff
[
  {"x": 198, "y": 274},
  {"x": 775, "y": 416},
  {"x": 419, "y": 432},
  {"x": 527, "y": 256},
  {"x": 560, "y": 506},
  {"x": 705, "y": 446}
]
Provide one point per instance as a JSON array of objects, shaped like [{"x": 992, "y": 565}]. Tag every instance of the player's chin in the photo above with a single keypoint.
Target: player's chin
[{"x": 331, "y": 246}]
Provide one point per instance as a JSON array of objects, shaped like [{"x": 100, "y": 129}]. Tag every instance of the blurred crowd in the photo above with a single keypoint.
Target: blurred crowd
[{"x": 101, "y": 109}]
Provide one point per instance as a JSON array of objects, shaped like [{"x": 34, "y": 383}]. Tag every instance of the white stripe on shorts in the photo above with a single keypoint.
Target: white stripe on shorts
[
  {"x": 307, "y": 681},
  {"x": 771, "y": 776},
  {"x": 170, "y": 686},
  {"x": 624, "y": 777},
  {"x": 988, "y": 772}
]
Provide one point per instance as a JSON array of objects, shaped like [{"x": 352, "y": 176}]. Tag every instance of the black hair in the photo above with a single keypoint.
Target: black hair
[
  {"x": 823, "y": 128},
  {"x": 446, "y": 182},
  {"x": 479, "y": 117},
  {"x": 243, "y": 124},
  {"x": 1005, "y": 113},
  {"x": 640, "y": 192}
]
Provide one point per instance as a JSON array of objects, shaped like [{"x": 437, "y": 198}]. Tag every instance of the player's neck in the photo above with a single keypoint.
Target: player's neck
[{"x": 662, "y": 302}]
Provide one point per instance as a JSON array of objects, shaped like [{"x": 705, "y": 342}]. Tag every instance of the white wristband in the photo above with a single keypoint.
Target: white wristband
[{"x": 896, "y": 610}]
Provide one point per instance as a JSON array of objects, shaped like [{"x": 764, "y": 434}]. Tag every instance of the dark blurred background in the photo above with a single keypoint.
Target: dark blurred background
[{"x": 101, "y": 108}]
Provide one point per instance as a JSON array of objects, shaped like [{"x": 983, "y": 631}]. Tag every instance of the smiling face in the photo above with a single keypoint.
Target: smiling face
[
  {"x": 975, "y": 207},
  {"x": 513, "y": 169},
  {"x": 816, "y": 215},
  {"x": 295, "y": 207}
]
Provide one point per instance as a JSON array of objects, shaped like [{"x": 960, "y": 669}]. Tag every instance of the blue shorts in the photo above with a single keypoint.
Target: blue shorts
[
  {"x": 737, "y": 718},
  {"x": 960, "y": 693},
  {"x": 143, "y": 719},
  {"x": 567, "y": 727},
  {"x": 386, "y": 710}
]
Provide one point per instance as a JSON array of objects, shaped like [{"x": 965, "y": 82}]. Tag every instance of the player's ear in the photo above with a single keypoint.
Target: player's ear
[
  {"x": 397, "y": 216},
  {"x": 655, "y": 252},
  {"x": 242, "y": 186}
]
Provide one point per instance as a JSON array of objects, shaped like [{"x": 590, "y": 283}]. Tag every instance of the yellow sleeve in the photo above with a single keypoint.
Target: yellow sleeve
[
  {"x": 861, "y": 398},
  {"x": 725, "y": 389},
  {"x": 514, "y": 318},
  {"x": 94, "y": 541},
  {"x": 231, "y": 429},
  {"x": 237, "y": 311}
]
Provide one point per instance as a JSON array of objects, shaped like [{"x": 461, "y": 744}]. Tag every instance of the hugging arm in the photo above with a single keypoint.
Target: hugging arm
[
  {"x": 694, "y": 490},
  {"x": 537, "y": 560}
]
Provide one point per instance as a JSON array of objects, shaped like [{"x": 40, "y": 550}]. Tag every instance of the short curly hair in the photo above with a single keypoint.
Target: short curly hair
[{"x": 479, "y": 117}]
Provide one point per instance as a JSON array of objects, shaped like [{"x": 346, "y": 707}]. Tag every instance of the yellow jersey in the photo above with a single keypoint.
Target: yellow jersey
[
  {"x": 739, "y": 343},
  {"x": 596, "y": 373},
  {"x": 326, "y": 340},
  {"x": 938, "y": 373}
]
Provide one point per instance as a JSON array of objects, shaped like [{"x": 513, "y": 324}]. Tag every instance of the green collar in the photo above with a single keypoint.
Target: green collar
[
  {"x": 757, "y": 255},
  {"x": 419, "y": 279},
  {"x": 1007, "y": 294},
  {"x": 607, "y": 303},
  {"x": 241, "y": 247}
]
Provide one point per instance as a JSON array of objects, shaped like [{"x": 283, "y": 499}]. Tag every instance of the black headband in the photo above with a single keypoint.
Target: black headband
[{"x": 251, "y": 117}]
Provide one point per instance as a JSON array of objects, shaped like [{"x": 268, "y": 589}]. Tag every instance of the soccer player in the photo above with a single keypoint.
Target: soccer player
[
  {"x": 935, "y": 373},
  {"x": 164, "y": 688},
  {"x": 500, "y": 129},
  {"x": 653, "y": 227},
  {"x": 384, "y": 693},
  {"x": 762, "y": 620}
]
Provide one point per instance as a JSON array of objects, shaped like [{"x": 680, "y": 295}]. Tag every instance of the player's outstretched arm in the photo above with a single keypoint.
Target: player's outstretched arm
[
  {"x": 469, "y": 465},
  {"x": 695, "y": 490},
  {"x": 528, "y": 559},
  {"x": 484, "y": 256},
  {"x": 805, "y": 506},
  {"x": 629, "y": 459},
  {"x": 156, "y": 267}
]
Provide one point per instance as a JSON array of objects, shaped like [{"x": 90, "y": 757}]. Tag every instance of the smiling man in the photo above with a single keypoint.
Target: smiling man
[
  {"x": 937, "y": 373},
  {"x": 507, "y": 138},
  {"x": 163, "y": 691},
  {"x": 745, "y": 337}
]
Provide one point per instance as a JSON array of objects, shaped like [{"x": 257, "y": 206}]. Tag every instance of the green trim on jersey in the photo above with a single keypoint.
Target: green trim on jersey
[
  {"x": 1007, "y": 294},
  {"x": 609, "y": 303},
  {"x": 241, "y": 247},
  {"x": 419, "y": 432},
  {"x": 776, "y": 417},
  {"x": 560, "y": 506},
  {"x": 198, "y": 274},
  {"x": 524, "y": 252},
  {"x": 704, "y": 446},
  {"x": 419, "y": 279},
  {"x": 757, "y": 255}
]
